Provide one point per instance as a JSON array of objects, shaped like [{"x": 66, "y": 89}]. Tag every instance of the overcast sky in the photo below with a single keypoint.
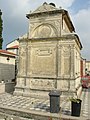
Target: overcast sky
[{"x": 15, "y": 23}]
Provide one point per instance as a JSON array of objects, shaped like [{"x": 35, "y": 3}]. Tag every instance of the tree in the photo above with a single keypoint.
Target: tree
[{"x": 1, "y": 29}]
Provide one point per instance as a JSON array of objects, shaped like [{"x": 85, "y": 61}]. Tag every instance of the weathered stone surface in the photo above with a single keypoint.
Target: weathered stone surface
[
  {"x": 49, "y": 58},
  {"x": 6, "y": 73}
]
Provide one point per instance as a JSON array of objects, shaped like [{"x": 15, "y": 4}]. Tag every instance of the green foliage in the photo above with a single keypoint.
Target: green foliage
[
  {"x": 1, "y": 29},
  {"x": 75, "y": 100}
]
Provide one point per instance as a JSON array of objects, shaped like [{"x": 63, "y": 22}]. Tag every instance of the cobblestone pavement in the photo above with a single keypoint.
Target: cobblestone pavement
[
  {"x": 27, "y": 103},
  {"x": 85, "y": 98},
  {"x": 85, "y": 110}
]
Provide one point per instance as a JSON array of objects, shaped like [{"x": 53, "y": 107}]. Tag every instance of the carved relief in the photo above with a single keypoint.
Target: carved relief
[
  {"x": 66, "y": 50},
  {"x": 44, "y": 52},
  {"x": 44, "y": 27},
  {"x": 43, "y": 31},
  {"x": 33, "y": 26},
  {"x": 43, "y": 60},
  {"x": 42, "y": 84}
]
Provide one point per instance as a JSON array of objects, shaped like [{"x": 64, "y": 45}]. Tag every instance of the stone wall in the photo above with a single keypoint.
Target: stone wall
[
  {"x": 7, "y": 87},
  {"x": 48, "y": 64},
  {"x": 7, "y": 68},
  {"x": 7, "y": 72}
]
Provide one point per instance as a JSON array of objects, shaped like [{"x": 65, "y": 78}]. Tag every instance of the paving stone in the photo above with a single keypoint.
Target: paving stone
[
  {"x": 31, "y": 108},
  {"x": 40, "y": 104}
]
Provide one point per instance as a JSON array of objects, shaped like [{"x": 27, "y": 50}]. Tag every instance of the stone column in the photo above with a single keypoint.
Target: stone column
[
  {"x": 72, "y": 69},
  {"x": 59, "y": 60},
  {"x": 72, "y": 61},
  {"x": 22, "y": 64}
]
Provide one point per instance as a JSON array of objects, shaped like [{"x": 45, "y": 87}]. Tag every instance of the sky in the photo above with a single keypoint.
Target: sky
[{"x": 15, "y": 23}]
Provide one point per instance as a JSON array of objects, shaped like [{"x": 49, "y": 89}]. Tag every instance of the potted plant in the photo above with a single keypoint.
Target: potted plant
[{"x": 75, "y": 106}]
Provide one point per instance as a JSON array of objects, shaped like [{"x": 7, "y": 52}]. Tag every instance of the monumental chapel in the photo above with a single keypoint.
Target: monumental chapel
[{"x": 49, "y": 56}]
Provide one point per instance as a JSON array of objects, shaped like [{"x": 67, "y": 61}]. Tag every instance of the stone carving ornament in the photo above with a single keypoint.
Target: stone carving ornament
[
  {"x": 44, "y": 31},
  {"x": 22, "y": 59}
]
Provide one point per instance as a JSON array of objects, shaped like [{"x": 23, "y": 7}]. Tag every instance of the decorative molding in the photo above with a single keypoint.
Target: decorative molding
[
  {"x": 42, "y": 84},
  {"x": 44, "y": 52}
]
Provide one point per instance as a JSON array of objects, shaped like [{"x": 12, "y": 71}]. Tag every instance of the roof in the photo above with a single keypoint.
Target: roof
[
  {"x": 13, "y": 47},
  {"x": 51, "y": 9},
  {"x": 5, "y": 52},
  {"x": 12, "y": 41},
  {"x": 45, "y": 7}
]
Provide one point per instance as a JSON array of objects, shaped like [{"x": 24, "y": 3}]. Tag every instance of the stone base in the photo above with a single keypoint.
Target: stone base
[
  {"x": 45, "y": 94},
  {"x": 31, "y": 93},
  {"x": 33, "y": 115}
]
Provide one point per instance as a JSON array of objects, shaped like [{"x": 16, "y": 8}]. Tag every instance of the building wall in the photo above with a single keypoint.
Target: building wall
[
  {"x": 13, "y": 43},
  {"x": 77, "y": 58},
  {"x": 87, "y": 67},
  {"x": 83, "y": 67},
  {"x": 13, "y": 47},
  {"x": 7, "y": 68},
  {"x": 13, "y": 50},
  {"x": 48, "y": 65}
]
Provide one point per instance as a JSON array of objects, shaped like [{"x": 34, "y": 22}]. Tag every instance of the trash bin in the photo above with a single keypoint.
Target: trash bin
[
  {"x": 76, "y": 108},
  {"x": 54, "y": 101}
]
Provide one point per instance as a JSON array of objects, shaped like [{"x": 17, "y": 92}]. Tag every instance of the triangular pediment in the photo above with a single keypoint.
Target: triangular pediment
[{"x": 46, "y": 7}]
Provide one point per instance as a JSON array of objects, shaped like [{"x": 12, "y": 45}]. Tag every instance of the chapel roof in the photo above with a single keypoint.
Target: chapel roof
[
  {"x": 45, "y": 7},
  {"x": 51, "y": 9}
]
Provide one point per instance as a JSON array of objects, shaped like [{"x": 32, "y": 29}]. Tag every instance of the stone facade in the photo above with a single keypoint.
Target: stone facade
[
  {"x": 7, "y": 66},
  {"x": 49, "y": 57}
]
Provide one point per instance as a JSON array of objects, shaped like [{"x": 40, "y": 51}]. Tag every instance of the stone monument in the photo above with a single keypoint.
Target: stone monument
[{"x": 49, "y": 56}]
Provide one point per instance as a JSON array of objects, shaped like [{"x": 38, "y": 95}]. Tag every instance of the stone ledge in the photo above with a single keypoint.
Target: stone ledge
[{"x": 37, "y": 115}]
